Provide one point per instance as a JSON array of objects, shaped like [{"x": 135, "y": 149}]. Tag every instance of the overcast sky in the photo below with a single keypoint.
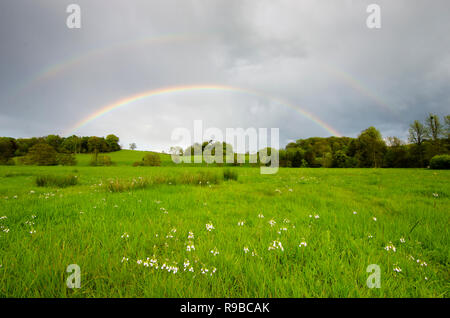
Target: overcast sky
[{"x": 282, "y": 56}]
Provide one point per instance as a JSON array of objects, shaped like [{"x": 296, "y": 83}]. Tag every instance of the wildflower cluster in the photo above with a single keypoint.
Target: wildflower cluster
[
  {"x": 214, "y": 251},
  {"x": 276, "y": 245},
  {"x": 3, "y": 228},
  {"x": 397, "y": 269},
  {"x": 390, "y": 247}
]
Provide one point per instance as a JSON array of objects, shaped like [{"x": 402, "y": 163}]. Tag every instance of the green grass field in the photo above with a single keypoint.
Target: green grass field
[{"x": 138, "y": 242}]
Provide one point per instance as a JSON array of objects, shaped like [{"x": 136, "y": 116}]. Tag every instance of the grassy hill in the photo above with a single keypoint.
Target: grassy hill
[
  {"x": 124, "y": 157},
  {"x": 128, "y": 157}
]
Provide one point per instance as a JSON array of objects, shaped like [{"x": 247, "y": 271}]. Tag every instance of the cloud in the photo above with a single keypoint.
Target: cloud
[{"x": 317, "y": 57}]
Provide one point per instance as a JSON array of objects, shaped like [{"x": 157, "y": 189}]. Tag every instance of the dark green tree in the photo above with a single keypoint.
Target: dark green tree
[
  {"x": 7, "y": 149},
  {"x": 113, "y": 143},
  {"x": 41, "y": 154},
  {"x": 371, "y": 148}
]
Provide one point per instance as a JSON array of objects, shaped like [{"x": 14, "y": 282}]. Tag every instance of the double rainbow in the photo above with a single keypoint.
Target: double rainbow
[{"x": 189, "y": 88}]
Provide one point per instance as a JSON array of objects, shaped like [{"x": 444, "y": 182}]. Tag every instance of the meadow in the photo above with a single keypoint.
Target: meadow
[{"x": 182, "y": 231}]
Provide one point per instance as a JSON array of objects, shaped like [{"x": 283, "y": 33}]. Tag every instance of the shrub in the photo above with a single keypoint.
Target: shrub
[
  {"x": 65, "y": 159},
  {"x": 101, "y": 160},
  {"x": 10, "y": 162},
  {"x": 56, "y": 181},
  {"x": 41, "y": 155},
  {"x": 137, "y": 164},
  {"x": 151, "y": 159},
  {"x": 105, "y": 160},
  {"x": 229, "y": 174},
  {"x": 440, "y": 162}
]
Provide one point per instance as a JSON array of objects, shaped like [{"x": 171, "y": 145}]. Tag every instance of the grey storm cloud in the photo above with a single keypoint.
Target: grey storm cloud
[{"x": 288, "y": 59}]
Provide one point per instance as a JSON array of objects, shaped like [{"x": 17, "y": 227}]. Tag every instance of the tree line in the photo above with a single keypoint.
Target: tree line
[
  {"x": 53, "y": 149},
  {"x": 428, "y": 145},
  {"x": 425, "y": 140}
]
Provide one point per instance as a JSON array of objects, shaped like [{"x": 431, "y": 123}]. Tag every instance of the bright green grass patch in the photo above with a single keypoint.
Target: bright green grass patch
[
  {"x": 231, "y": 226},
  {"x": 123, "y": 158}
]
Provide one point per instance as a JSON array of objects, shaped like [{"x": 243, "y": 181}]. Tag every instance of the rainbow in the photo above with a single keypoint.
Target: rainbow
[
  {"x": 53, "y": 70},
  {"x": 56, "y": 69},
  {"x": 357, "y": 85},
  {"x": 188, "y": 88}
]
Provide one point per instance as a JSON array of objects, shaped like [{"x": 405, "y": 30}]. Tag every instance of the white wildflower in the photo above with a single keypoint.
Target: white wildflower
[
  {"x": 190, "y": 247},
  {"x": 153, "y": 262},
  {"x": 209, "y": 227},
  {"x": 276, "y": 245},
  {"x": 421, "y": 263},
  {"x": 397, "y": 269},
  {"x": 214, "y": 251},
  {"x": 390, "y": 246}
]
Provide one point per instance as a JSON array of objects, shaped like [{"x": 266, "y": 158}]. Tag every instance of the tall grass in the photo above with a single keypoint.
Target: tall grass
[
  {"x": 56, "y": 181},
  {"x": 229, "y": 174},
  {"x": 17, "y": 174},
  {"x": 201, "y": 178}
]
